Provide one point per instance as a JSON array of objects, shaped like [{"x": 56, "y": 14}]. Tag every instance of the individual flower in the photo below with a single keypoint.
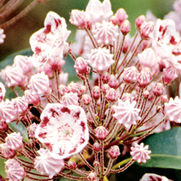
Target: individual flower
[
  {"x": 48, "y": 163},
  {"x": 21, "y": 104},
  {"x": 70, "y": 131},
  {"x": 100, "y": 59},
  {"x": 140, "y": 153},
  {"x": 14, "y": 171},
  {"x": 126, "y": 113},
  {"x": 50, "y": 40},
  {"x": 173, "y": 110},
  {"x": 14, "y": 141},
  {"x": 39, "y": 84}
]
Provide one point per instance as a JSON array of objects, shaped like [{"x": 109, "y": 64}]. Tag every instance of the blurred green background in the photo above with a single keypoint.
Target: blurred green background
[{"x": 18, "y": 34}]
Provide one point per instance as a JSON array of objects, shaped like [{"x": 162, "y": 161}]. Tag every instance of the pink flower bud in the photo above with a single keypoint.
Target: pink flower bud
[
  {"x": 96, "y": 92},
  {"x": 14, "y": 171},
  {"x": 130, "y": 75},
  {"x": 80, "y": 19},
  {"x": 146, "y": 29},
  {"x": 146, "y": 93},
  {"x": 2, "y": 91},
  {"x": 100, "y": 59},
  {"x": 114, "y": 152},
  {"x": 14, "y": 141},
  {"x": 169, "y": 74},
  {"x": 111, "y": 95},
  {"x": 31, "y": 130},
  {"x": 140, "y": 153},
  {"x": 72, "y": 165},
  {"x": 6, "y": 151},
  {"x": 39, "y": 84},
  {"x": 81, "y": 66},
  {"x": 144, "y": 78},
  {"x": 105, "y": 88},
  {"x": 164, "y": 99},
  {"x": 96, "y": 147},
  {"x": 139, "y": 21},
  {"x": 86, "y": 99},
  {"x": 101, "y": 132},
  {"x": 105, "y": 77},
  {"x": 158, "y": 89},
  {"x": 125, "y": 27},
  {"x": 113, "y": 82},
  {"x": 92, "y": 176},
  {"x": 119, "y": 17}
]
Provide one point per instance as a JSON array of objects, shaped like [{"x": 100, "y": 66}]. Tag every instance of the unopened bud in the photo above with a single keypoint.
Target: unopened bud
[
  {"x": 111, "y": 95},
  {"x": 114, "y": 152},
  {"x": 92, "y": 176},
  {"x": 113, "y": 82},
  {"x": 96, "y": 147},
  {"x": 72, "y": 165},
  {"x": 101, "y": 132},
  {"x": 139, "y": 21},
  {"x": 96, "y": 92},
  {"x": 125, "y": 27},
  {"x": 119, "y": 17},
  {"x": 86, "y": 99},
  {"x": 158, "y": 89},
  {"x": 146, "y": 29}
]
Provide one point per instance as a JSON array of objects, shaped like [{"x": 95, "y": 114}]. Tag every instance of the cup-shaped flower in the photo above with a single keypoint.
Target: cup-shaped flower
[
  {"x": 48, "y": 163},
  {"x": 126, "y": 113},
  {"x": 63, "y": 129}
]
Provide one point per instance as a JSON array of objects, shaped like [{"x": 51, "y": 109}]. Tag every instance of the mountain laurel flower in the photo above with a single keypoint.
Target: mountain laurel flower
[
  {"x": 173, "y": 110},
  {"x": 69, "y": 125},
  {"x": 152, "y": 176},
  {"x": 119, "y": 17},
  {"x": 126, "y": 113},
  {"x": 100, "y": 59},
  {"x": 140, "y": 153},
  {"x": 14, "y": 170},
  {"x": 48, "y": 163}
]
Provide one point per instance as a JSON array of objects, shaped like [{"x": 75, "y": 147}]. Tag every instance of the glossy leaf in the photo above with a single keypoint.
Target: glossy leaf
[{"x": 166, "y": 149}]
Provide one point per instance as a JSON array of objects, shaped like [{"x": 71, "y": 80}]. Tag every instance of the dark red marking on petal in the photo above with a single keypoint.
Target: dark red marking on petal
[
  {"x": 54, "y": 113},
  {"x": 37, "y": 50},
  {"x": 77, "y": 115},
  {"x": 56, "y": 22},
  {"x": 83, "y": 126},
  {"x": 44, "y": 122},
  {"x": 47, "y": 29},
  {"x": 49, "y": 146},
  {"x": 172, "y": 40},
  {"x": 72, "y": 151},
  {"x": 82, "y": 140},
  {"x": 65, "y": 109},
  {"x": 42, "y": 135}
]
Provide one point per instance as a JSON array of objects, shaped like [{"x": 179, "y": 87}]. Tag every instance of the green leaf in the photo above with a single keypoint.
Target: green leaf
[
  {"x": 2, "y": 169},
  {"x": 69, "y": 68},
  {"x": 9, "y": 59},
  {"x": 19, "y": 128},
  {"x": 166, "y": 149}
]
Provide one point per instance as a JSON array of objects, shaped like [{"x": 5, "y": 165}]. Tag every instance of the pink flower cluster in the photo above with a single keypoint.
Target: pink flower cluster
[{"x": 122, "y": 92}]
